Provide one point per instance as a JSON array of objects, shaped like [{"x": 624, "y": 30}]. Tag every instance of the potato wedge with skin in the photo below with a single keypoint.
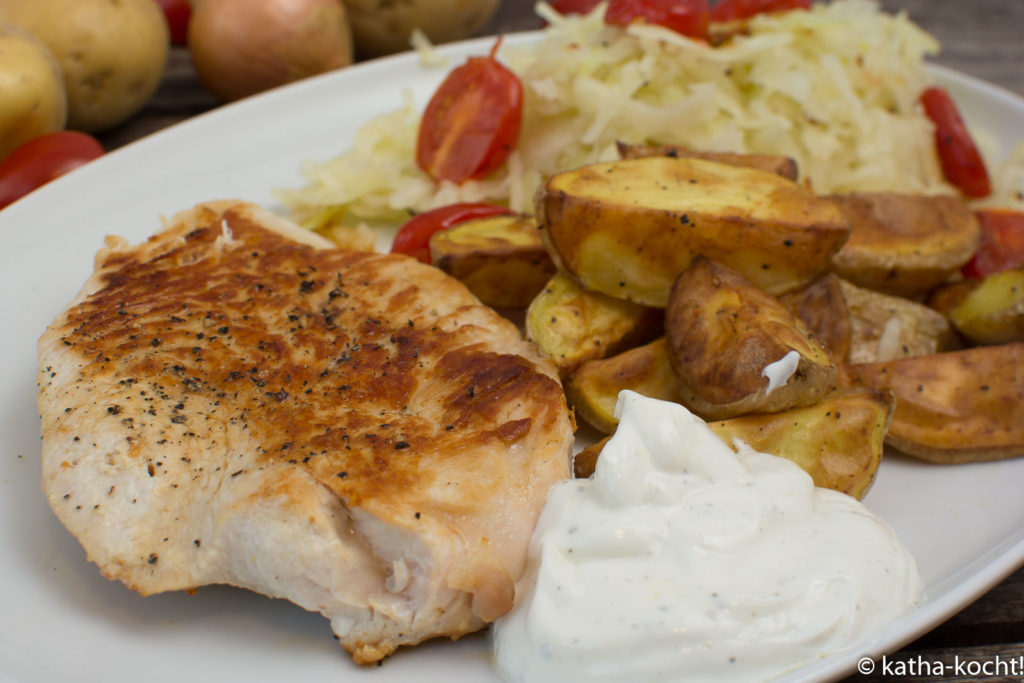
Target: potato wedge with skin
[
  {"x": 822, "y": 308},
  {"x": 628, "y": 228},
  {"x": 783, "y": 166},
  {"x": 953, "y": 407},
  {"x": 838, "y": 441},
  {"x": 501, "y": 259},
  {"x": 571, "y": 325},
  {"x": 864, "y": 326},
  {"x": 904, "y": 244},
  {"x": 726, "y": 340},
  {"x": 885, "y": 327},
  {"x": 991, "y": 310},
  {"x": 592, "y": 390}
]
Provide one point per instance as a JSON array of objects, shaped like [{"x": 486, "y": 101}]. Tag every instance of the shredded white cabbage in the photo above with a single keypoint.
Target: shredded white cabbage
[{"x": 835, "y": 88}]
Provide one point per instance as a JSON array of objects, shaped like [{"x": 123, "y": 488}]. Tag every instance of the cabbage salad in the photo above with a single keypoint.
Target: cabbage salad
[{"x": 836, "y": 88}]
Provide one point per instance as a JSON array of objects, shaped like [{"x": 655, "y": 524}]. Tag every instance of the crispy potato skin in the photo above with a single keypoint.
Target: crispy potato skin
[
  {"x": 783, "y": 166},
  {"x": 953, "y": 407},
  {"x": 571, "y": 325},
  {"x": 501, "y": 259},
  {"x": 838, "y": 441},
  {"x": 723, "y": 331},
  {"x": 628, "y": 228},
  {"x": 822, "y": 308},
  {"x": 904, "y": 244},
  {"x": 593, "y": 389},
  {"x": 991, "y": 311},
  {"x": 863, "y": 326}
]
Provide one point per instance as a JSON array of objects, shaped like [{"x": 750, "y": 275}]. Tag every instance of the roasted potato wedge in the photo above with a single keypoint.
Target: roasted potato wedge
[
  {"x": 885, "y": 327},
  {"x": 501, "y": 259},
  {"x": 593, "y": 389},
  {"x": 838, "y": 441},
  {"x": 989, "y": 310},
  {"x": 571, "y": 325},
  {"x": 904, "y": 244},
  {"x": 771, "y": 163},
  {"x": 953, "y": 407},
  {"x": 864, "y": 326},
  {"x": 628, "y": 228},
  {"x": 822, "y": 308},
  {"x": 736, "y": 349}
]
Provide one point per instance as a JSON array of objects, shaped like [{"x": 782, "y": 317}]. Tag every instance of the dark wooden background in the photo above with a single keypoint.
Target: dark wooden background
[{"x": 984, "y": 38}]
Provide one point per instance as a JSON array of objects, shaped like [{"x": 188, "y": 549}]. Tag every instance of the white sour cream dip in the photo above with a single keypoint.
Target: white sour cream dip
[{"x": 681, "y": 560}]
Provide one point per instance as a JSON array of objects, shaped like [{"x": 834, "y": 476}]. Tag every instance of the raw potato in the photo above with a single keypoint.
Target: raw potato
[
  {"x": 381, "y": 27},
  {"x": 32, "y": 99},
  {"x": 723, "y": 335},
  {"x": 572, "y": 325},
  {"x": 954, "y": 407},
  {"x": 112, "y": 53},
  {"x": 627, "y": 228},
  {"x": 839, "y": 441},
  {"x": 904, "y": 244},
  {"x": 501, "y": 259}
]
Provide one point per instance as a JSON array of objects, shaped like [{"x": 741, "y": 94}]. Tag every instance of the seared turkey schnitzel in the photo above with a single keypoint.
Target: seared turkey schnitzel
[{"x": 234, "y": 401}]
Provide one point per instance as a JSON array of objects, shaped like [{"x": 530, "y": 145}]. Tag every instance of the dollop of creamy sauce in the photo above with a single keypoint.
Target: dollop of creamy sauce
[
  {"x": 779, "y": 372},
  {"x": 683, "y": 560}
]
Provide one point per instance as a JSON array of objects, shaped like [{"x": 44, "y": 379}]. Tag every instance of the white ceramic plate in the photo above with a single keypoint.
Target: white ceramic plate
[{"x": 60, "y": 620}]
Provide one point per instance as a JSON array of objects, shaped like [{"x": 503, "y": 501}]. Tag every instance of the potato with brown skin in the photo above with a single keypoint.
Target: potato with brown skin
[
  {"x": 627, "y": 228},
  {"x": 783, "y": 166},
  {"x": 822, "y": 308},
  {"x": 904, "y": 244},
  {"x": 723, "y": 332},
  {"x": 593, "y": 388},
  {"x": 571, "y": 325},
  {"x": 838, "y": 441},
  {"x": 381, "y": 27},
  {"x": 862, "y": 326},
  {"x": 33, "y": 101},
  {"x": 953, "y": 407},
  {"x": 989, "y": 310},
  {"x": 112, "y": 53},
  {"x": 500, "y": 258}
]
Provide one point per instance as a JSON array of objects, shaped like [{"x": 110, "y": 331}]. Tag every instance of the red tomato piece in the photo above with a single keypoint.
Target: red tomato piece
[
  {"x": 177, "y": 13},
  {"x": 688, "y": 17},
  {"x": 574, "y": 6},
  {"x": 1002, "y": 242},
  {"x": 42, "y": 159},
  {"x": 961, "y": 162},
  {"x": 472, "y": 122},
  {"x": 733, "y": 10},
  {"x": 413, "y": 238}
]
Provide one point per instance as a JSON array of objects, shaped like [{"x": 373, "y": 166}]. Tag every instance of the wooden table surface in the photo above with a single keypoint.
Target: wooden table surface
[{"x": 984, "y": 38}]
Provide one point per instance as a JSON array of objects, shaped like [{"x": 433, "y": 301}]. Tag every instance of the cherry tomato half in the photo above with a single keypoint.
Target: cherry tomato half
[
  {"x": 733, "y": 10},
  {"x": 574, "y": 6},
  {"x": 472, "y": 122},
  {"x": 177, "y": 13},
  {"x": 961, "y": 162},
  {"x": 42, "y": 159},
  {"x": 413, "y": 238},
  {"x": 1002, "y": 242},
  {"x": 688, "y": 17}
]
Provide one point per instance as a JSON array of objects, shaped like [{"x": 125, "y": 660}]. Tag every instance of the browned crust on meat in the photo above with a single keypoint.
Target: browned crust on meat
[{"x": 382, "y": 378}]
